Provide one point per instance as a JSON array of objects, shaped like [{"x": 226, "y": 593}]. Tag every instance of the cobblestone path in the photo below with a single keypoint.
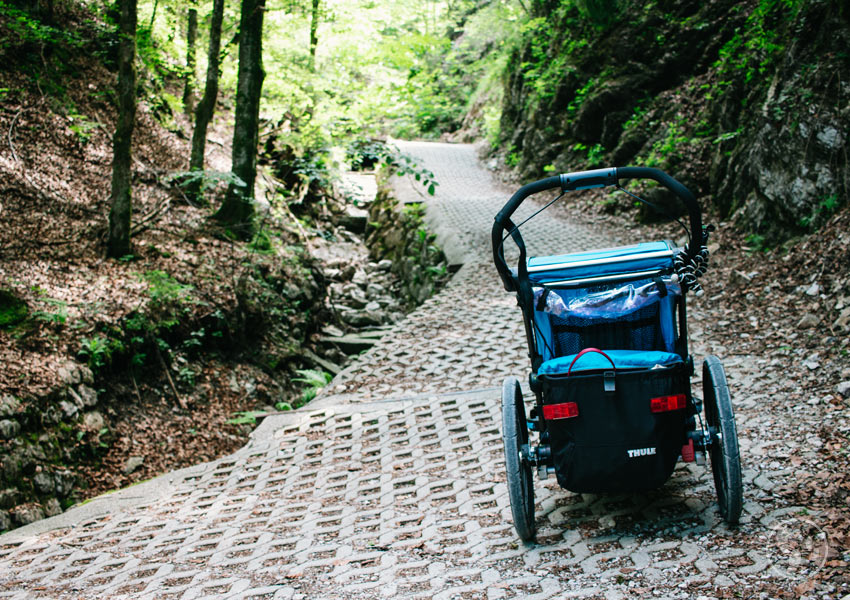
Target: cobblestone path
[{"x": 391, "y": 485}]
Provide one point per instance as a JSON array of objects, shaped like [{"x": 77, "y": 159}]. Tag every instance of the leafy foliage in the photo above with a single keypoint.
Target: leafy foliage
[
  {"x": 753, "y": 51},
  {"x": 97, "y": 351},
  {"x": 314, "y": 381},
  {"x": 372, "y": 154}
]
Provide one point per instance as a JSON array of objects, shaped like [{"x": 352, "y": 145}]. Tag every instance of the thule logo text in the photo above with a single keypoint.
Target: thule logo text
[{"x": 641, "y": 452}]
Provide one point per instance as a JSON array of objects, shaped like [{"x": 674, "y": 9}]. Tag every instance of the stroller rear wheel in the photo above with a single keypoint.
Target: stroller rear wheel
[
  {"x": 515, "y": 438},
  {"x": 725, "y": 458}
]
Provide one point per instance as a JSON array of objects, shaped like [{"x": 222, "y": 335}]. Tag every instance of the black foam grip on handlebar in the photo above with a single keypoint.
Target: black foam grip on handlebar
[
  {"x": 681, "y": 191},
  {"x": 583, "y": 180}
]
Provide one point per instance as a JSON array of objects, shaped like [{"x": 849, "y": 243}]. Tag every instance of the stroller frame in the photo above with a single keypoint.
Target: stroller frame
[{"x": 610, "y": 366}]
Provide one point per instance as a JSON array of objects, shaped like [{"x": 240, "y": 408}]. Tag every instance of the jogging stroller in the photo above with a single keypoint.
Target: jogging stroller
[{"x": 610, "y": 368}]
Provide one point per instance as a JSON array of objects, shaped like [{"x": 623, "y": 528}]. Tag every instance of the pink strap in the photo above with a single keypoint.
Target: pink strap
[{"x": 585, "y": 351}]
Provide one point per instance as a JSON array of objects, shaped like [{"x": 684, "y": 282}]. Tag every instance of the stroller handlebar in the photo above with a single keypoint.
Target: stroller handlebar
[{"x": 581, "y": 180}]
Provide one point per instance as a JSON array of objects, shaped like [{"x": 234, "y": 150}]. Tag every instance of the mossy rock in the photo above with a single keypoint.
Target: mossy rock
[{"x": 13, "y": 310}]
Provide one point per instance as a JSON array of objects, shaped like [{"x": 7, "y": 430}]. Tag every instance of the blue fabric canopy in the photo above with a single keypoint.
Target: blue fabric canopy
[{"x": 646, "y": 256}]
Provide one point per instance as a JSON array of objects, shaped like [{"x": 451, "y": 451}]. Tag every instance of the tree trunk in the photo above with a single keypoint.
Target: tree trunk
[
  {"x": 237, "y": 209},
  {"x": 118, "y": 244},
  {"x": 314, "y": 38},
  {"x": 191, "y": 36},
  {"x": 206, "y": 107},
  {"x": 153, "y": 16}
]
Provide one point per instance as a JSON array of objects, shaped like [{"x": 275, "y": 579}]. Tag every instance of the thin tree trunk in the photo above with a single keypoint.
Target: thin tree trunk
[
  {"x": 191, "y": 36},
  {"x": 314, "y": 38},
  {"x": 118, "y": 244},
  {"x": 206, "y": 107},
  {"x": 153, "y": 16},
  {"x": 237, "y": 209}
]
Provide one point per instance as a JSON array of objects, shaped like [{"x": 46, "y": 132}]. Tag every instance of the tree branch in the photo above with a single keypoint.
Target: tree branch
[{"x": 11, "y": 131}]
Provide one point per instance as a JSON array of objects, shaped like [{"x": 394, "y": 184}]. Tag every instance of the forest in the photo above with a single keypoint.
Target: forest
[{"x": 171, "y": 188}]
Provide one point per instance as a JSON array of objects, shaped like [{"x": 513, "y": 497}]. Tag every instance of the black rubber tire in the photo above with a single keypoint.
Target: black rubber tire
[
  {"x": 520, "y": 480},
  {"x": 724, "y": 454}
]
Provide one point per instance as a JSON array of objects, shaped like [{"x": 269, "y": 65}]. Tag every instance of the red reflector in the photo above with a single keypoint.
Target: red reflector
[
  {"x": 665, "y": 403},
  {"x": 560, "y": 411},
  {"x": 688, "y": 452}
]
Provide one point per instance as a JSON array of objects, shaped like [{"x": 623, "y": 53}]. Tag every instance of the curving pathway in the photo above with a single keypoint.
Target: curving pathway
[{"x": 391, "y": 484}]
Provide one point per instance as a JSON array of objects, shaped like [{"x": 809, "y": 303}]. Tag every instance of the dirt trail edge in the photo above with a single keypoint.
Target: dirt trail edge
[{"x": 391, "y": 484}]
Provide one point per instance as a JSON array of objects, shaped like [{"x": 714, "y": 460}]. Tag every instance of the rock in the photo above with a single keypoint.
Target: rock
[
  {"x": 740, "y": 278},
  {"x": 351, "y": 344},
  {"x": 385, "y": 264},
  {"x": 843, "y": 388},
  {"x": 68, "y": 374},
  {"x": 30, "y": 458},
  {"x": 9, "y": 429},
  {"x": 27, "y": 513},
  {"x": 43, "y": 481},
  {"x": 355, "y": 219},
  {"x": 360, "y": 277},
  {"x": 387, "y": 302},
  {"x": 830, "y": 138},
  {"x": 94, "y": 421},
  {"x": 332, "y": 330},
  {"x": 375, "y": 290},
  {"x": 361, "y": 318},
  {"x": 86, "y": 375},
  {"x": 5, "y": 521},
  {"x": 330, "y": 367},
  {"x": 10, "y": 468},
  {"x": 9, "y": 497},
  {"x": 347, "y": 272},
  {"x": 69, "y": 409},
  {"x": 808, "y": 321},
  {"x": 373, "y": 307},
  {"x": 133, "y": 463},
  {"x": 843, "y": 320},
  {"x": 9, "y": 405},
  {"x": 75, "y": 397},
  {"x": 813, "y": 290},
  {"x": 357, "y": 298},
  {"x": 87, "y": 394},
  {"x": 291, "y": 291},
  {"x": 336, "y": 290},
  {"x": 64, "y": 482},
  {"x": 52, "y": 507}
]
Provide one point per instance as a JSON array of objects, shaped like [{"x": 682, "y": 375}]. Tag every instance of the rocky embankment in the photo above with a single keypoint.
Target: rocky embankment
[
  {"x": 100, "y": 425},
  {"x": 746, "y": 103},
  {"x": 379, "y": 262}
]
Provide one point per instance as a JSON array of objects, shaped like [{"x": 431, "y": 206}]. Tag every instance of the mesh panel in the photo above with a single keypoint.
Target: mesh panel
[{"x": 636, "y": 331}]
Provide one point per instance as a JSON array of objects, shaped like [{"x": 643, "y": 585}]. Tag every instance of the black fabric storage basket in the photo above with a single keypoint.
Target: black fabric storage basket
[{"x": 616, "y": 443}]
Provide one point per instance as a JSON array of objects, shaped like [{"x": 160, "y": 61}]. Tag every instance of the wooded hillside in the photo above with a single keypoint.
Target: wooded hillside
[{"x": 748, "y": 103}]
